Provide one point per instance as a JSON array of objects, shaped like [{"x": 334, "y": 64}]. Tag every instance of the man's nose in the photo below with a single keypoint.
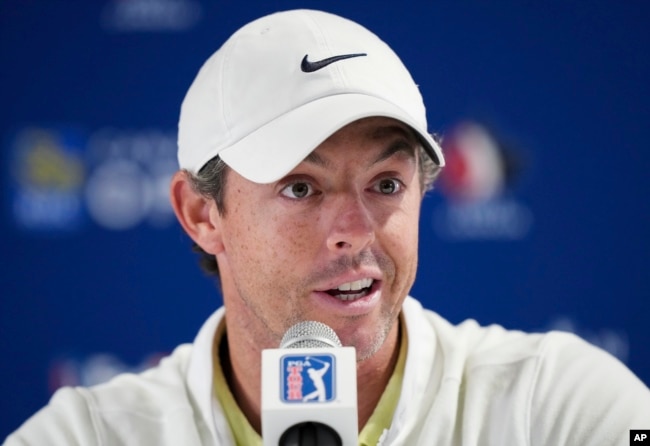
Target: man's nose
[{"x": 352, "y": 228}]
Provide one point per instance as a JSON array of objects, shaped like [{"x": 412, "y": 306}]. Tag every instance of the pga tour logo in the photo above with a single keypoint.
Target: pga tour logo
[{"x": 308, "y": 378}]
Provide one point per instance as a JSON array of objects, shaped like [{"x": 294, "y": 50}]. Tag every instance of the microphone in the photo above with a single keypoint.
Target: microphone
[{"x": 309, "y": 389}]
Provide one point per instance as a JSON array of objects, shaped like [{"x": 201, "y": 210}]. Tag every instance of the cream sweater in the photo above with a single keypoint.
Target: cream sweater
[{"x": 463, "y": 385}]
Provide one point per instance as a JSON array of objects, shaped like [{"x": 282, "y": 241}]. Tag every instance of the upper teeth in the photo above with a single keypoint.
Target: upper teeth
[{"x": 355, "y": 286}]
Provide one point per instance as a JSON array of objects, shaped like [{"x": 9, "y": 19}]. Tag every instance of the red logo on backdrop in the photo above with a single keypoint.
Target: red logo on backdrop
[{"x": 478, "y": 183}]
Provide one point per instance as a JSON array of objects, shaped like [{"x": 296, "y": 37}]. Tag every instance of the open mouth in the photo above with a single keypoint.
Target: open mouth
[{"x": 352, "y": 290}]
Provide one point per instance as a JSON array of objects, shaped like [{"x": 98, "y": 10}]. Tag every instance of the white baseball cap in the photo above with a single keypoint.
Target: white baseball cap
[{"x": 284, "y": 83}]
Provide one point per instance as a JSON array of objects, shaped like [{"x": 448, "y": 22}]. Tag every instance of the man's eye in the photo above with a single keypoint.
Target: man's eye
[
  {"x": 297, "y": 190},
  {"x": 388, "y": 186}
]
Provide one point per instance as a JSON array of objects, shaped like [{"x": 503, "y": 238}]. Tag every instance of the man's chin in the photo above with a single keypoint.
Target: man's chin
[{"x": 367, "y": 347}]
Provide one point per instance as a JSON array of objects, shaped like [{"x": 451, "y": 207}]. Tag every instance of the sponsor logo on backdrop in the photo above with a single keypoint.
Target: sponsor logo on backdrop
[
  {"x": 150, "y": 15},
  {"x": 128, "y": 180},
  {"x": 64, "y": 180},
  {"x": 478, "y": 185},
  {"x": 46, "y": 179}
]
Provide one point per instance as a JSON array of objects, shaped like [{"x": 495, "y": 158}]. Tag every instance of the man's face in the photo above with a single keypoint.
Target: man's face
[{"x": 334, "y": 241}]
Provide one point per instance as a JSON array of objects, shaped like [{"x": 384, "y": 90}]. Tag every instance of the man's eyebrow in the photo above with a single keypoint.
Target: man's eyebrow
[
  {"x": 399, "y": 146},
  {"x": 407, "y": 143}
]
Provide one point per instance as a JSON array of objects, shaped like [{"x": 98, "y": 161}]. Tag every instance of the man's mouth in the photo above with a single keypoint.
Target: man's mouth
[{"x": 352, "y": 290}]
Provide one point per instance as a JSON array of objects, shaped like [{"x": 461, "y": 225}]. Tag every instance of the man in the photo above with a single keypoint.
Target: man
[{"x": 304, "y": 157}]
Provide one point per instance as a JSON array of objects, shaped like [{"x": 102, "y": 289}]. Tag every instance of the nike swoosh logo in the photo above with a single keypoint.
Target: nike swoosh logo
[{"x": 310, "y": 67}]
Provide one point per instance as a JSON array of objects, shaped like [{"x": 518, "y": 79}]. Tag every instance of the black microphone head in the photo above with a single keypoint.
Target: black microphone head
[{"x": 310, "y": 334}]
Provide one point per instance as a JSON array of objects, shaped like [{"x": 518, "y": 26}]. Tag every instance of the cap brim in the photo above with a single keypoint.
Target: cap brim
[{"x": 273, "y": 150}]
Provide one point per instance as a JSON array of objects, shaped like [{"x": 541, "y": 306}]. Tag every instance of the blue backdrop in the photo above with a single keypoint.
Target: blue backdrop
[{"x": 541, "y": 222}]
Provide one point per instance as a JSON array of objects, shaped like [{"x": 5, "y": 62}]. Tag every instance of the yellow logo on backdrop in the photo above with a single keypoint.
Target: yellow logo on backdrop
[{"x": 47, "y": 166}]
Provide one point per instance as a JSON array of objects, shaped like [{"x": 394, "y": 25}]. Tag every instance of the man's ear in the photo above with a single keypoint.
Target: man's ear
[{"x": 198, "y": 215}]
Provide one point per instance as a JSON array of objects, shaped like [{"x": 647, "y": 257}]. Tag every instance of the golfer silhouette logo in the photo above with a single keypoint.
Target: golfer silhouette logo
[
  {"x": 308, "y": 379},
  {"x": 316, "y": 376}
]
